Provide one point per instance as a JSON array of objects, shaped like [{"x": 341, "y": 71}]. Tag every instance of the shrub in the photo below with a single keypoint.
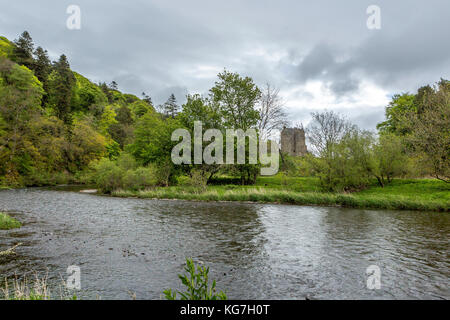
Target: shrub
[
  {"x": 126, "y": 162},
  {"x": 198, "y": 180},
  {"x": 108, "y": 176},
  {"x": 196, "y": 283},
  {"x": 7, "y": 222},
  {"x": 140, "y": 178}
]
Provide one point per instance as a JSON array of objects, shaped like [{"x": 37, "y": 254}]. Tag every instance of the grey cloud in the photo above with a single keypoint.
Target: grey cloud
[
  {"x": 153, "y": 46},
  {"x": 397, "y": 57}
]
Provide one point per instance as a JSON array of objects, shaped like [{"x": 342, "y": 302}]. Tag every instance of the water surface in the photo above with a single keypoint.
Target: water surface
[{"x": 255, "y": 251}]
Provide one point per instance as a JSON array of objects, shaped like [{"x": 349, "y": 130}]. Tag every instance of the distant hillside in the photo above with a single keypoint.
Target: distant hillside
[{"x": 54, "y": 120}]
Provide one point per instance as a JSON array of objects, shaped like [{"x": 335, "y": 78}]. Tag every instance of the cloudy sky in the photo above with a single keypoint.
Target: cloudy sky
[{"x": 320, "y": 54}]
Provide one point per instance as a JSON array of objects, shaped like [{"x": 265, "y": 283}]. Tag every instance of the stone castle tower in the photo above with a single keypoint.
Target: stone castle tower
[{"x": 293, "y": 142}]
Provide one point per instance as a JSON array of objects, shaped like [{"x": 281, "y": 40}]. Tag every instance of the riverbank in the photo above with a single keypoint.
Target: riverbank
[{"x": 401, "y": 194}]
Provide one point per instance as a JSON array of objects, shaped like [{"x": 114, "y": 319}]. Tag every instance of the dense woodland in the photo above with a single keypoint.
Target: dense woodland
[{"x": 56, "y": 126}]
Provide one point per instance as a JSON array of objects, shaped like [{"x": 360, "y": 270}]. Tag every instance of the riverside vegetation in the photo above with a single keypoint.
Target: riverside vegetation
[
  {"x": 7, "y": 222},
  {"x": 57, "y": 127}
]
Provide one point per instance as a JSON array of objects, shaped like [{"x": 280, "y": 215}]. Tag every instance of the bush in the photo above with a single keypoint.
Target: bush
[
  {"x": 198, "y": 180},
  {"x": 108, "y": 176},
  {"x": 6, "y": 222},
  {"x": 196, "y": 284},
  {"x": 140, "y": 178},
  {"x": 126, "y": 162},
  {"x": 121, "y": 174}
]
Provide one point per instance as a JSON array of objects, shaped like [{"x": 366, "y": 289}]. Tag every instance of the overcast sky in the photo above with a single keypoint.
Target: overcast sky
[{"x": 320, "y": 54}]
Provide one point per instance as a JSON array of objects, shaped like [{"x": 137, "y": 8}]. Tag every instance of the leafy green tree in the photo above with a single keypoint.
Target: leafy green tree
[
  {"x": 86, "y": 95},
  {"x": 23, "y": 50},
  {"x": 42, "y": 65},
  {"x": 139, "y": 108},
  {"x": 170, "y": 107},
  {"x": 430, "y": 133},
  {"x": 345, "y": 165},
  {"x": 236, "y": 99},
  {"x": 104, "y": 87},
  {"x": 423, "y": 120},
  {"x": 122, "y": 130},
  {"x": 61, "y": 89},
  {"x": 397, "y": 113},
  {"x": 20, "y": 100},
  {"x": 85, "y": 145},
  {"x": 108, "y": 118},
  {"x": 153, "y": 144},
  {"x": 389, "y": 159},
  {"x": 201, "y": 109}
]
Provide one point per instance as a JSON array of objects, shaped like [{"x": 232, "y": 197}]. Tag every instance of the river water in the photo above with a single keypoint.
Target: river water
[{"x": 254, "y": 251}]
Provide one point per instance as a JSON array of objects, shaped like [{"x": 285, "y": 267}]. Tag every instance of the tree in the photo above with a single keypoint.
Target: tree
[
  {"x": 139, "y": 108},
  {"x": 147, "y": 98},
  {"x": 122, "y": 130},
  {"x": 153, "y": 144},
  {"x": 396, "y": 113},
  {"x": 430, "y": 133},
  {"x": 325, "y": 130},
  {"x": 42, "y": 64},
  {"x": 85, "y": 145},
  {"x": 389, "y": 159},
  {"x": 198, "y": 108},
  {"x": 170, "y": 107},
  {"x": 347, "y": 164},
  {"x": 20, "y": 99},
  {"x": 113, "y": 85},
  {"x": 61, "y": 89},
  {"x": 23, "y": 50},
  {"x": 236, "y": 98},
  {"x": 271, "y": 112},
  {"x": 104, "y": 87}
]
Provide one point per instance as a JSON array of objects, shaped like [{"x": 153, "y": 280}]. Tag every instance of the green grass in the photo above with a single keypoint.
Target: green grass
[
  {"x": 420, "y": 194},
  {"x": 7, "y": 223}
]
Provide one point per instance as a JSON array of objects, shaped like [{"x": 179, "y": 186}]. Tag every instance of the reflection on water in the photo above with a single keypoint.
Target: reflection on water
[{"x": 255, "y": 251}]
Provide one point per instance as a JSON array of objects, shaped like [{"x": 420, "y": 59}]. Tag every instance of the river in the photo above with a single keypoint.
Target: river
[{"x": 254, "y": 251}]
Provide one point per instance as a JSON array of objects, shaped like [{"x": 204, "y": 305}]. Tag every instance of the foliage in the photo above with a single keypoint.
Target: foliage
[
  {"x": 6, "y": 47},
  {"x": 423, "y": 120},
  {"x": 198, "y": 179},
  {"x": 53, "y": 121},
  {"x": 389, "y": 159},
  {"x": 108, "y": 176},
  {"x": 236, "y": 98},
  {"x": 153, "y": 144},
  {"x": 86, "y": 94},
  {"x": 61, "y": 89},
  {"x": 7, "y": 222},
  {"x": 123, "y": 174},
  {"x": 85, "y": 145},
  {"x": 400, "y": 194},
  {"x": 430, "y": 131},
  {"x": 197, "y": 286},
  {"x": 396, "y": 112},
  {"x": 170, "y": 107},
  {"x": 23, "y": 50}
]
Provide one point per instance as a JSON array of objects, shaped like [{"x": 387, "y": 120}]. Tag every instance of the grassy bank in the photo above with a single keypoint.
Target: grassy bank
[
  {"x": 420, "y": 194},
  {"x": 7, "y": 222}
]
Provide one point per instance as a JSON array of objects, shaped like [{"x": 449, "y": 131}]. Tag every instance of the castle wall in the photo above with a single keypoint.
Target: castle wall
[{"x": 293, "y": 142}]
